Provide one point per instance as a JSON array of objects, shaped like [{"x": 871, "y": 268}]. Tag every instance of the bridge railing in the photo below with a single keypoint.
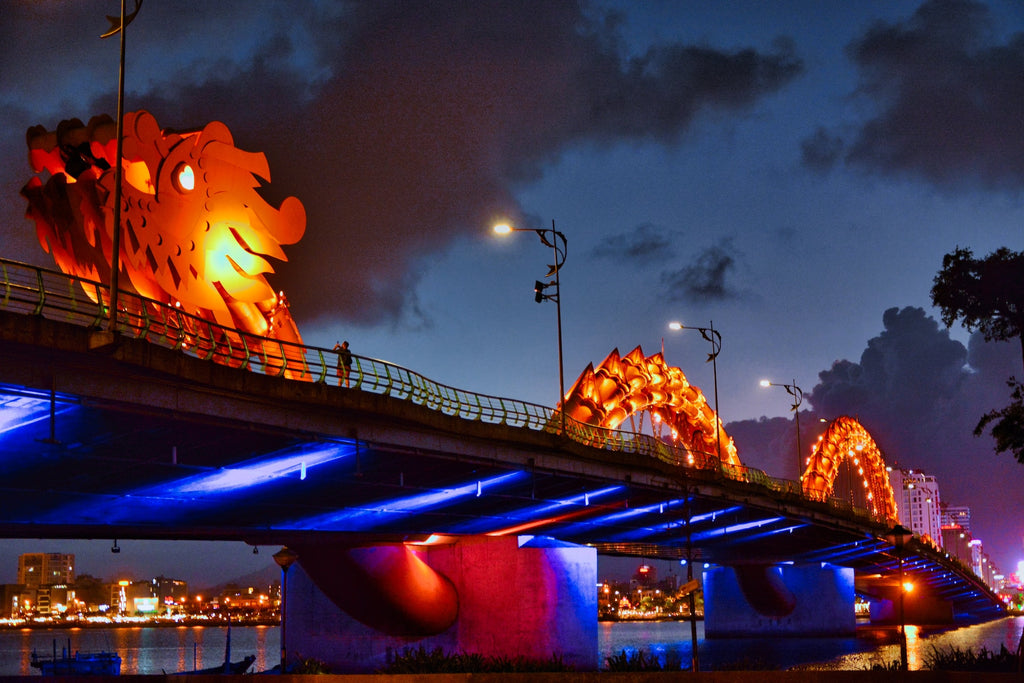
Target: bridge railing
[{"x": 32, "y": 290}]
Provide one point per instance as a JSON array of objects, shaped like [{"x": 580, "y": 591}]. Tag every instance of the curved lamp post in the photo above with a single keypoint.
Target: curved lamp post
[
  {"x": 898, "y": 537},
  {"x": 118, "y": 25},
  {"x": 711, "y": 335},
  {"x": 284, "y": 558},
  {"x": 559, "y": 247},
  {"x": 798, "y": 398}
]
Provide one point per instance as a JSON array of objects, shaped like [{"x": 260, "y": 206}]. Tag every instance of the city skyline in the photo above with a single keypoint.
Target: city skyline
[{"x": 780, "y": 169}]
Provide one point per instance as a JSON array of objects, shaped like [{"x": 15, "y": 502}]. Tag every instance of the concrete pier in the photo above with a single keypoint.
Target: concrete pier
[
  {"x": 779, "y": 600},
  {"x": 516, "y": 597}
]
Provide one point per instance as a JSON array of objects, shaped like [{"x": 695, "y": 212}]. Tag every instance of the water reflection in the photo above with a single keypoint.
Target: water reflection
[{"x": 913, "y": 647}]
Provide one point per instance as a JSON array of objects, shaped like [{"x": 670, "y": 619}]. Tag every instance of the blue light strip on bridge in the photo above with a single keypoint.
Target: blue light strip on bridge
[
  {"x": 617, "y": 517},
  {"x": 161, "y": 504},
  {"x": 21, "y": 408},
  {"x": 535, "y": 512},
  {"x": 258, "y": 472},
  {"x": 659, "y": 529},
  {"x": 384, "y": 512},
  {"x": 733, "y": 529}
]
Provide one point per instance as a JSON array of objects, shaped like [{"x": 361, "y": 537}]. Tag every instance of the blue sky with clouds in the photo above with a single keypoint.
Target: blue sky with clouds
[{"x": 790, "y": 170}]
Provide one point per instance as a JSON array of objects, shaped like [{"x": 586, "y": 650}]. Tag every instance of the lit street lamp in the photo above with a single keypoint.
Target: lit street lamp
[
  {"x": 284, "y": 558},
  {"x": 898, "y": 537},
  {"x": 798, "y": 398},
  {"x": 559, "y": 247},
  {"x": 711, "y": 335}
]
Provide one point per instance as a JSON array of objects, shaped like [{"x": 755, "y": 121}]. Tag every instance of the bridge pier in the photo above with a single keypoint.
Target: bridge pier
[
  {"x": 503, "y": 596},
  {"x": 779, "y": 600}
]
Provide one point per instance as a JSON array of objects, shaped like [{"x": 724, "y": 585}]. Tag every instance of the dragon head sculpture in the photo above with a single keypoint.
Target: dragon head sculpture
[{"x": 196, "y": 234}]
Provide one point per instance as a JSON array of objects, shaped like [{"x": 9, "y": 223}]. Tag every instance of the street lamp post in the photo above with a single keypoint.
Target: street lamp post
[
  {"x": 559, "y": 247},
  {"x": 798, "y": 398},
  {"x": 711, "y": 335},
  {"x": 284, "y": 558},
  {"x": 898, "y": 537},
  {"x": 118, "y": 26}
]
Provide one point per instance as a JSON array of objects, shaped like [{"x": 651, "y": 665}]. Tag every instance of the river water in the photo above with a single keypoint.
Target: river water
[{"x": 155, "y": 650}]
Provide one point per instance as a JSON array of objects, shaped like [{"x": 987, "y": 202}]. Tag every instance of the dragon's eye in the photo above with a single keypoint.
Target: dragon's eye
[{"x": 184, "y": 178}]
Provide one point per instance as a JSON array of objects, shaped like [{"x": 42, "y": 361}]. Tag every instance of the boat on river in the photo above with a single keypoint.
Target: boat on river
[{"x": 77, "y": 664}]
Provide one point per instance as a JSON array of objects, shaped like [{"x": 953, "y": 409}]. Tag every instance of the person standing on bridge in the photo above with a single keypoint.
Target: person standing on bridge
[{"x": 344, "y": 363}]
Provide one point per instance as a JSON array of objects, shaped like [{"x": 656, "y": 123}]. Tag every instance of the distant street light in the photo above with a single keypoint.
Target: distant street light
[
  {"x": 711, "y": 335},
  {"x": 284, "y": 558},
  {"x": 898, "y": 537},
  {"x": 559, "y": 246},
  {"x": 798, "y": 398}
]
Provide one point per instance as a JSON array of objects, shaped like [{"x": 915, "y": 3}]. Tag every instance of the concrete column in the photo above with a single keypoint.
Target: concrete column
[
  {"x": 778, "y": 600},
  {"x": 516, "y": 597}
]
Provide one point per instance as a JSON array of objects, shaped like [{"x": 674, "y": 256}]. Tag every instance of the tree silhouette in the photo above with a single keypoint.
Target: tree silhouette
[{"x": 987, "y": 295}]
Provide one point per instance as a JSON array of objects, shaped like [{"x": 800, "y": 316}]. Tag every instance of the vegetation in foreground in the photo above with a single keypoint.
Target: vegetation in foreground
[
  {"x": 420, "y": 661},
  {"x": 957, "y": 659},
  {"x": 638, "y": 660}
]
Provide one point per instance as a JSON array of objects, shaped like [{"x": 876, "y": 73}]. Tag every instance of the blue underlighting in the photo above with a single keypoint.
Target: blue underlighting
[
  {"x": 617, "y": 517},
  {"x": 533, "y": 513},
  {"x": 734, "y": 528},
  {"x": 383, "y": 512},
  {"x": 18, "y": 410},
  {"x": 260, "y": 471},
  {"x": 670, "y": 526}
]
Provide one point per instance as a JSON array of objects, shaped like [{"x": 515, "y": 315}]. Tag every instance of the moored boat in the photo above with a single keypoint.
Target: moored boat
[{"x": 77, "y": 664}]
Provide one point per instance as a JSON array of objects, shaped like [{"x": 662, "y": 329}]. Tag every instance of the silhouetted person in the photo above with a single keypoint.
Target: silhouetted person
[{"x": 344, "y": 362}]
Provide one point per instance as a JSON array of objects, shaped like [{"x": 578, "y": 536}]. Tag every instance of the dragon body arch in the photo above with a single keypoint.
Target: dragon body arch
[
  {"x": 847, "y": 439},
  {"x": 626, "y": 385}
]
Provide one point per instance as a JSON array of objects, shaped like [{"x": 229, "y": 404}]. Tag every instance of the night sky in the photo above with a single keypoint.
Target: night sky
[{"x": 793, "y": 171}]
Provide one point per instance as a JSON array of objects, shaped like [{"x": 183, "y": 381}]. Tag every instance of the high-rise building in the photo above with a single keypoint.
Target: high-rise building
[
  {"x": 956, "y": 515},
  {"x": 917, "y": 502},
  {"x": 46, "y": 569}
]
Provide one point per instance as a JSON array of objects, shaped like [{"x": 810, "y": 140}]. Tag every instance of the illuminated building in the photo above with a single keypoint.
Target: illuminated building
[
  {"x": 645, "y": 576},
  {"x": 956, "y": 541},
  {"x": 956, "y": 515},
  {"x": 917, "y": 501},
  {"x": 45, "y": 569},
  {"x": 171, "y": 594},
  {"x": 44, "y": 579}
]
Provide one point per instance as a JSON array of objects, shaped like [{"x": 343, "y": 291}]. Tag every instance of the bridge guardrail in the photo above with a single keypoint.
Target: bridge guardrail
[{"x": 33, "y": 290}]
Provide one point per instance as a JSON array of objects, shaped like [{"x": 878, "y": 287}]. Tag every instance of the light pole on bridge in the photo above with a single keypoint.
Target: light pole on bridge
[
  {"x": 798, "y": 398},
  {"x": 559, "y": 247},
  {"x": 711, "y": 335}
]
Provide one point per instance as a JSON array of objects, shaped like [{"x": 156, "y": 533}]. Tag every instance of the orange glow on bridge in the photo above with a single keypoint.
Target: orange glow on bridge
[
  {"x": 196, "y": 234},
  {"x": 634, "y": 384},
  {"x": 847, "y": 439}
]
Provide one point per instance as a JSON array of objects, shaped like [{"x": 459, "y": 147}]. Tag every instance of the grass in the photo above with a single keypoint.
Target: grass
[
  {"x": 638, "y": 660},
  {"x": 984, "y": 660},
  {"x": 422, "y": 661}
]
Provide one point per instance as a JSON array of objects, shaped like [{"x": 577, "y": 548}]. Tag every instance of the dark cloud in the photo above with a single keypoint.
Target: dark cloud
[
  {"x": 912, "y": 367},
  {"x": 644, "y": 244},
  {"x": 950, "y": 99},
  {"x": 822, "y": 150},
  {"x": 705, "y": 278},
  {"x": 417, "y": 121},
  {"x": 920, "y": 394}
]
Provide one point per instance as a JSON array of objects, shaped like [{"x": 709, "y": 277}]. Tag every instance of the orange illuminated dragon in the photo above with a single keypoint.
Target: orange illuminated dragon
[{"x": 195, "y": 236}]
